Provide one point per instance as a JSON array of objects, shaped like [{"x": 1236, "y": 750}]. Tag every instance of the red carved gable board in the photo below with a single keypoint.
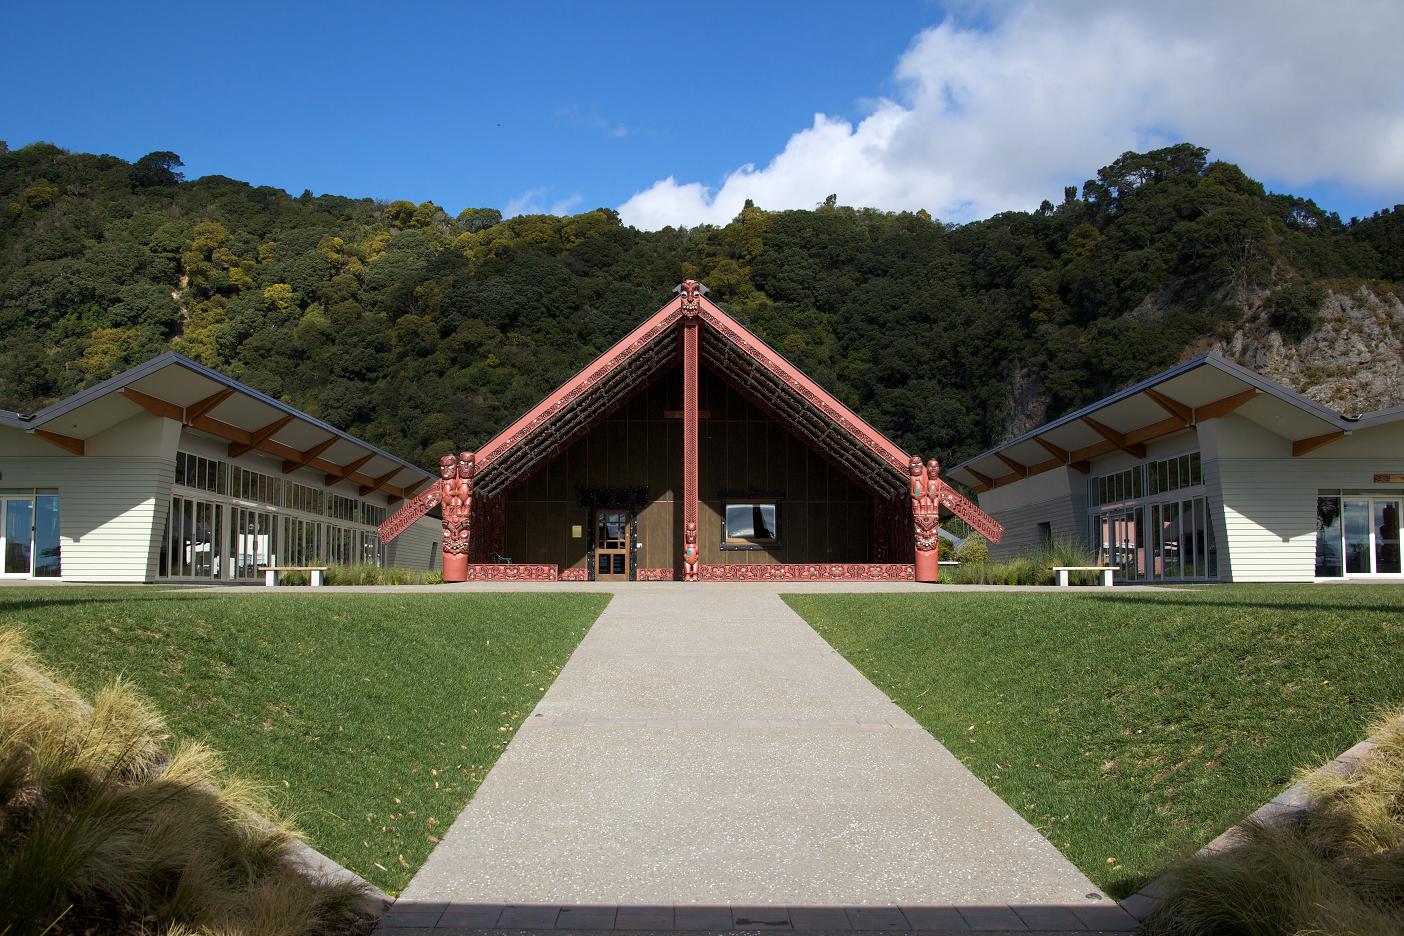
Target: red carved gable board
[
  {"x": 748, "y": 363},
  {"x": 539, "y": 429}
]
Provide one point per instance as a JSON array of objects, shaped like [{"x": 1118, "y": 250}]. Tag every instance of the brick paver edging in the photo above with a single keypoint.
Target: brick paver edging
[
  {"x": 1285, "y": 806},
  {"x": 1031, "y": 919}
]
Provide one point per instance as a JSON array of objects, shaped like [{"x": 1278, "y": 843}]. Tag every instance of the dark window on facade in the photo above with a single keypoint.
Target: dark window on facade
[
  {"x": 752, "y": 523},
  {"x": 1045, "y": 533}
]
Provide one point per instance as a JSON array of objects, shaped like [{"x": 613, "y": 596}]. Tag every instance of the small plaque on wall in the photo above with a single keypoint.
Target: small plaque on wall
[
  {"x": 577, "y": 531},
  {"x": 1389, "y": 479}
]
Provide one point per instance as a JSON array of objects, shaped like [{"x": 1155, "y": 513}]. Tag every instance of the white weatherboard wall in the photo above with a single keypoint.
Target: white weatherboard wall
[
  {"x": 109, "y": 498},
  {"x": 419, "y": 547},
  {"x": 1057, "y": 497},
  {"x": 1269, "y": 497}
]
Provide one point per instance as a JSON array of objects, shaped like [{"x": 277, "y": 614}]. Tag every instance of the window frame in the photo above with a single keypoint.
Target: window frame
[{"x": 730, "y": 544}]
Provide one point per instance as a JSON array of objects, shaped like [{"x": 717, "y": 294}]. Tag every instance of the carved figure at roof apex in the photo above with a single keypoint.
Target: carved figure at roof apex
[{"x": 691, "y": 292}]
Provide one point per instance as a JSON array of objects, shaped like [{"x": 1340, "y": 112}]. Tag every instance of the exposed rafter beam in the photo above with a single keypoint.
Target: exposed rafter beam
[
  {"x": 292, "y": 464},
  {"x": 1117, "y": 439},
  {"x": 1018, "y": 468},
  {"x": 258, "y": 437},
  {"x": 195, "y": 410},
  {"x": 986, "y": 482},
  {"x": 1167, "y": 426},
  {"x": 1302, "y": 446},
  {"x": 153, "y": 404},
  {"x": 1063, "y": 456},
  {"x": 344, "y": 472},
  {"x": 1173, "y": 407},
  {"x": 1223, "y": 407},
  {"x": 378, "y": 483},
  {"x": 68, "y": 443}
]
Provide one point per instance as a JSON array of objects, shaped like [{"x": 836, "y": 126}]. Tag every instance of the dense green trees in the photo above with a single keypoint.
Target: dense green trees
[{"x": 423, "y": 332}]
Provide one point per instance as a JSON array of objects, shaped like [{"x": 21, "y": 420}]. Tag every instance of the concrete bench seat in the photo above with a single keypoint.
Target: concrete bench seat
[
  {"x": 1061, "y": 573},
  {"x": 271, "y": 573}
]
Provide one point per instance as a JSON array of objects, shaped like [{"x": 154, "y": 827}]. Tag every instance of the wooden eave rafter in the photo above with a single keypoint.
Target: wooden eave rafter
[
  {"x": 1018, "y": 468},
  {"x": 1118, "y": 439},
  {"x": 196, "y": 410},
  {"x": 1171, "y": 406},
  {"x": 1302, "y": 446},
  {"x": 154, "y": 405},
  {"x": 259, "y": 436},
  {"x": 985, "y": 481},
  {"x": 378, "y": 483},
  {"x": 67, "y": 443},
  {"x": 1225, "y": 406},
  {"x": 305, "y": 458},
  {"x": 1061, "y": 457},
  {"x": 335, "y": 473}
]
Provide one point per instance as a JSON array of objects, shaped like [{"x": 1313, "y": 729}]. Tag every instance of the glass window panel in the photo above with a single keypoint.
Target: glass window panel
[
  {"x": 19, "y": 546},
  {"x": 1210, "y": 544},
  {"x": 1139, "y": 531},
  {"x": 1386, "y": 536},
  {"x": 1170, "y": 539},
  {"x": 1195, "y": 476},
  {"x": 1157, "y": 560},
  {"x": 46, "y": 536},
  {"x": 1356, "y": 518},
  {"x": 1173, "y": 467},
  {"x": 1328, "y": 538},
  {"x": 1199, "y": 570},
  {"x": 1187, "y": 538}
]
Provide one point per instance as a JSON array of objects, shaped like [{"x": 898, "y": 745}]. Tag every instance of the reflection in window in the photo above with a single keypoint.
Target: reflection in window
[
  {"x": 751, "y": 523},
  {"x": 1328, "y": 538}
]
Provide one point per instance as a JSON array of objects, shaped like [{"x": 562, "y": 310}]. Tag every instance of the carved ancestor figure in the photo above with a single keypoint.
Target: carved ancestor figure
[
  {"x": 691, "y": 291},
  {"x": 926, "y": 517},
  {"x": 690, "y": 564},
  {"x": 456, "y": 478}
]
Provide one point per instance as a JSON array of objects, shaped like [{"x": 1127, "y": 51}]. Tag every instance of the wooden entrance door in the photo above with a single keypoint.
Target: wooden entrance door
[{"x": 612, "y": 545}]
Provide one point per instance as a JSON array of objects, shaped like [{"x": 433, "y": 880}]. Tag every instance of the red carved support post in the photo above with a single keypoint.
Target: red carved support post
[
  {"x": 691, "y": 305},
  {"x": 926, "y": 518},
  {"x": 456, "y": 479}
]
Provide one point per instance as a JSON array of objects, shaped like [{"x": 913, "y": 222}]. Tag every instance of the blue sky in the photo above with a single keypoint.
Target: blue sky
[{"x": 657, "y": 108}]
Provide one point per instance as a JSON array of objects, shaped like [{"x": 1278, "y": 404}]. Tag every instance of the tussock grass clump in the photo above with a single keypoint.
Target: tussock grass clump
[
  {"x": 363, "y": 573},
  {"x": 1033, "y": 568},
  {"x": 106, "y": 826},
  {"x": 1336, "y": 869}
]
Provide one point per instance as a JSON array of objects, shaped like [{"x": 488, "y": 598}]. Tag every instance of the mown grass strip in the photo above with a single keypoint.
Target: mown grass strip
[
  {"x": 373, "y": 717},
  {"x": 1131, "y": 728}
]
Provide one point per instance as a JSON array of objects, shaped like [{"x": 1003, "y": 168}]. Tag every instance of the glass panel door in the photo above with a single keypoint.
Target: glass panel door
[
  {"x": 47, "y": 557},
  {"x": 18, "y": 535},
  {"x": 1386, "y": 530},
  {"x": 1356, "y": 519},
  {"x": 612, "y": 545}
]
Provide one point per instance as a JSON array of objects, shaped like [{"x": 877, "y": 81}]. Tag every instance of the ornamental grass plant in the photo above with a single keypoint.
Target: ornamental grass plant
[
  {"x": 365, "y": 573},
  {"x": 1338, "y": 868},
  {"x": 1033, "y": 568},
  {"x": 106, "y": 826}
]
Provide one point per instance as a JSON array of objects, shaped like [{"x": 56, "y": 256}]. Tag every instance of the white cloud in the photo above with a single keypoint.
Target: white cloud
[
  {"x": 534, "y": 201},
  {"x": 1002, "y": 116}
]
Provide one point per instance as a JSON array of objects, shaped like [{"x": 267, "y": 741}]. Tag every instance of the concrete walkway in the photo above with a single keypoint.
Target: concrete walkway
[{"x": 705, "y": 750}]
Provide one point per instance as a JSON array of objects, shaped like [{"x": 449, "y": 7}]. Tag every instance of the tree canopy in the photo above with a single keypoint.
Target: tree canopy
[{"x": 424, "y": 333}]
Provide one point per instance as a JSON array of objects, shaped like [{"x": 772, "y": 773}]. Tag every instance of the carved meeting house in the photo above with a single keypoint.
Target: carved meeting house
[{"x": 690, "y": 450}]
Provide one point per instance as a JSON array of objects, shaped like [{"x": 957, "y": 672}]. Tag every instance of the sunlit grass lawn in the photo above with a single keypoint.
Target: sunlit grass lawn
[
  {"x": 373, "y": 717},
  {"x": 1131, "y": 728}
]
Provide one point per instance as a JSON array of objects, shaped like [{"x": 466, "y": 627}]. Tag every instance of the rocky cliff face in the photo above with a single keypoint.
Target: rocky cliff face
[{"x": 1352, "y": 361}]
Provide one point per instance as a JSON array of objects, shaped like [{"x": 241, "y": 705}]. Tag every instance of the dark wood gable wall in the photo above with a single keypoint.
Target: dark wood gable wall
[{"x": 824, "y": 517}]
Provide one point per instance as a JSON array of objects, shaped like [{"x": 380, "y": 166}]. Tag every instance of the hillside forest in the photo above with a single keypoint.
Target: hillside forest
[{"x": 424, "y": 332}]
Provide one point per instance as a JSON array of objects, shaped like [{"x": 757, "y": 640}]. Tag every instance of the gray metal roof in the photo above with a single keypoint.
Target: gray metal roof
[
  {"x": 1215, "y": 362},
  {"x": 99, "y": 391}
]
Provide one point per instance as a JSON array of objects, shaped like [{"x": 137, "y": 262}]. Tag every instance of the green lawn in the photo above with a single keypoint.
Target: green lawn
[
  {"x": 1131, "y": 728},
  {"x": 373, "y": 717}
]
